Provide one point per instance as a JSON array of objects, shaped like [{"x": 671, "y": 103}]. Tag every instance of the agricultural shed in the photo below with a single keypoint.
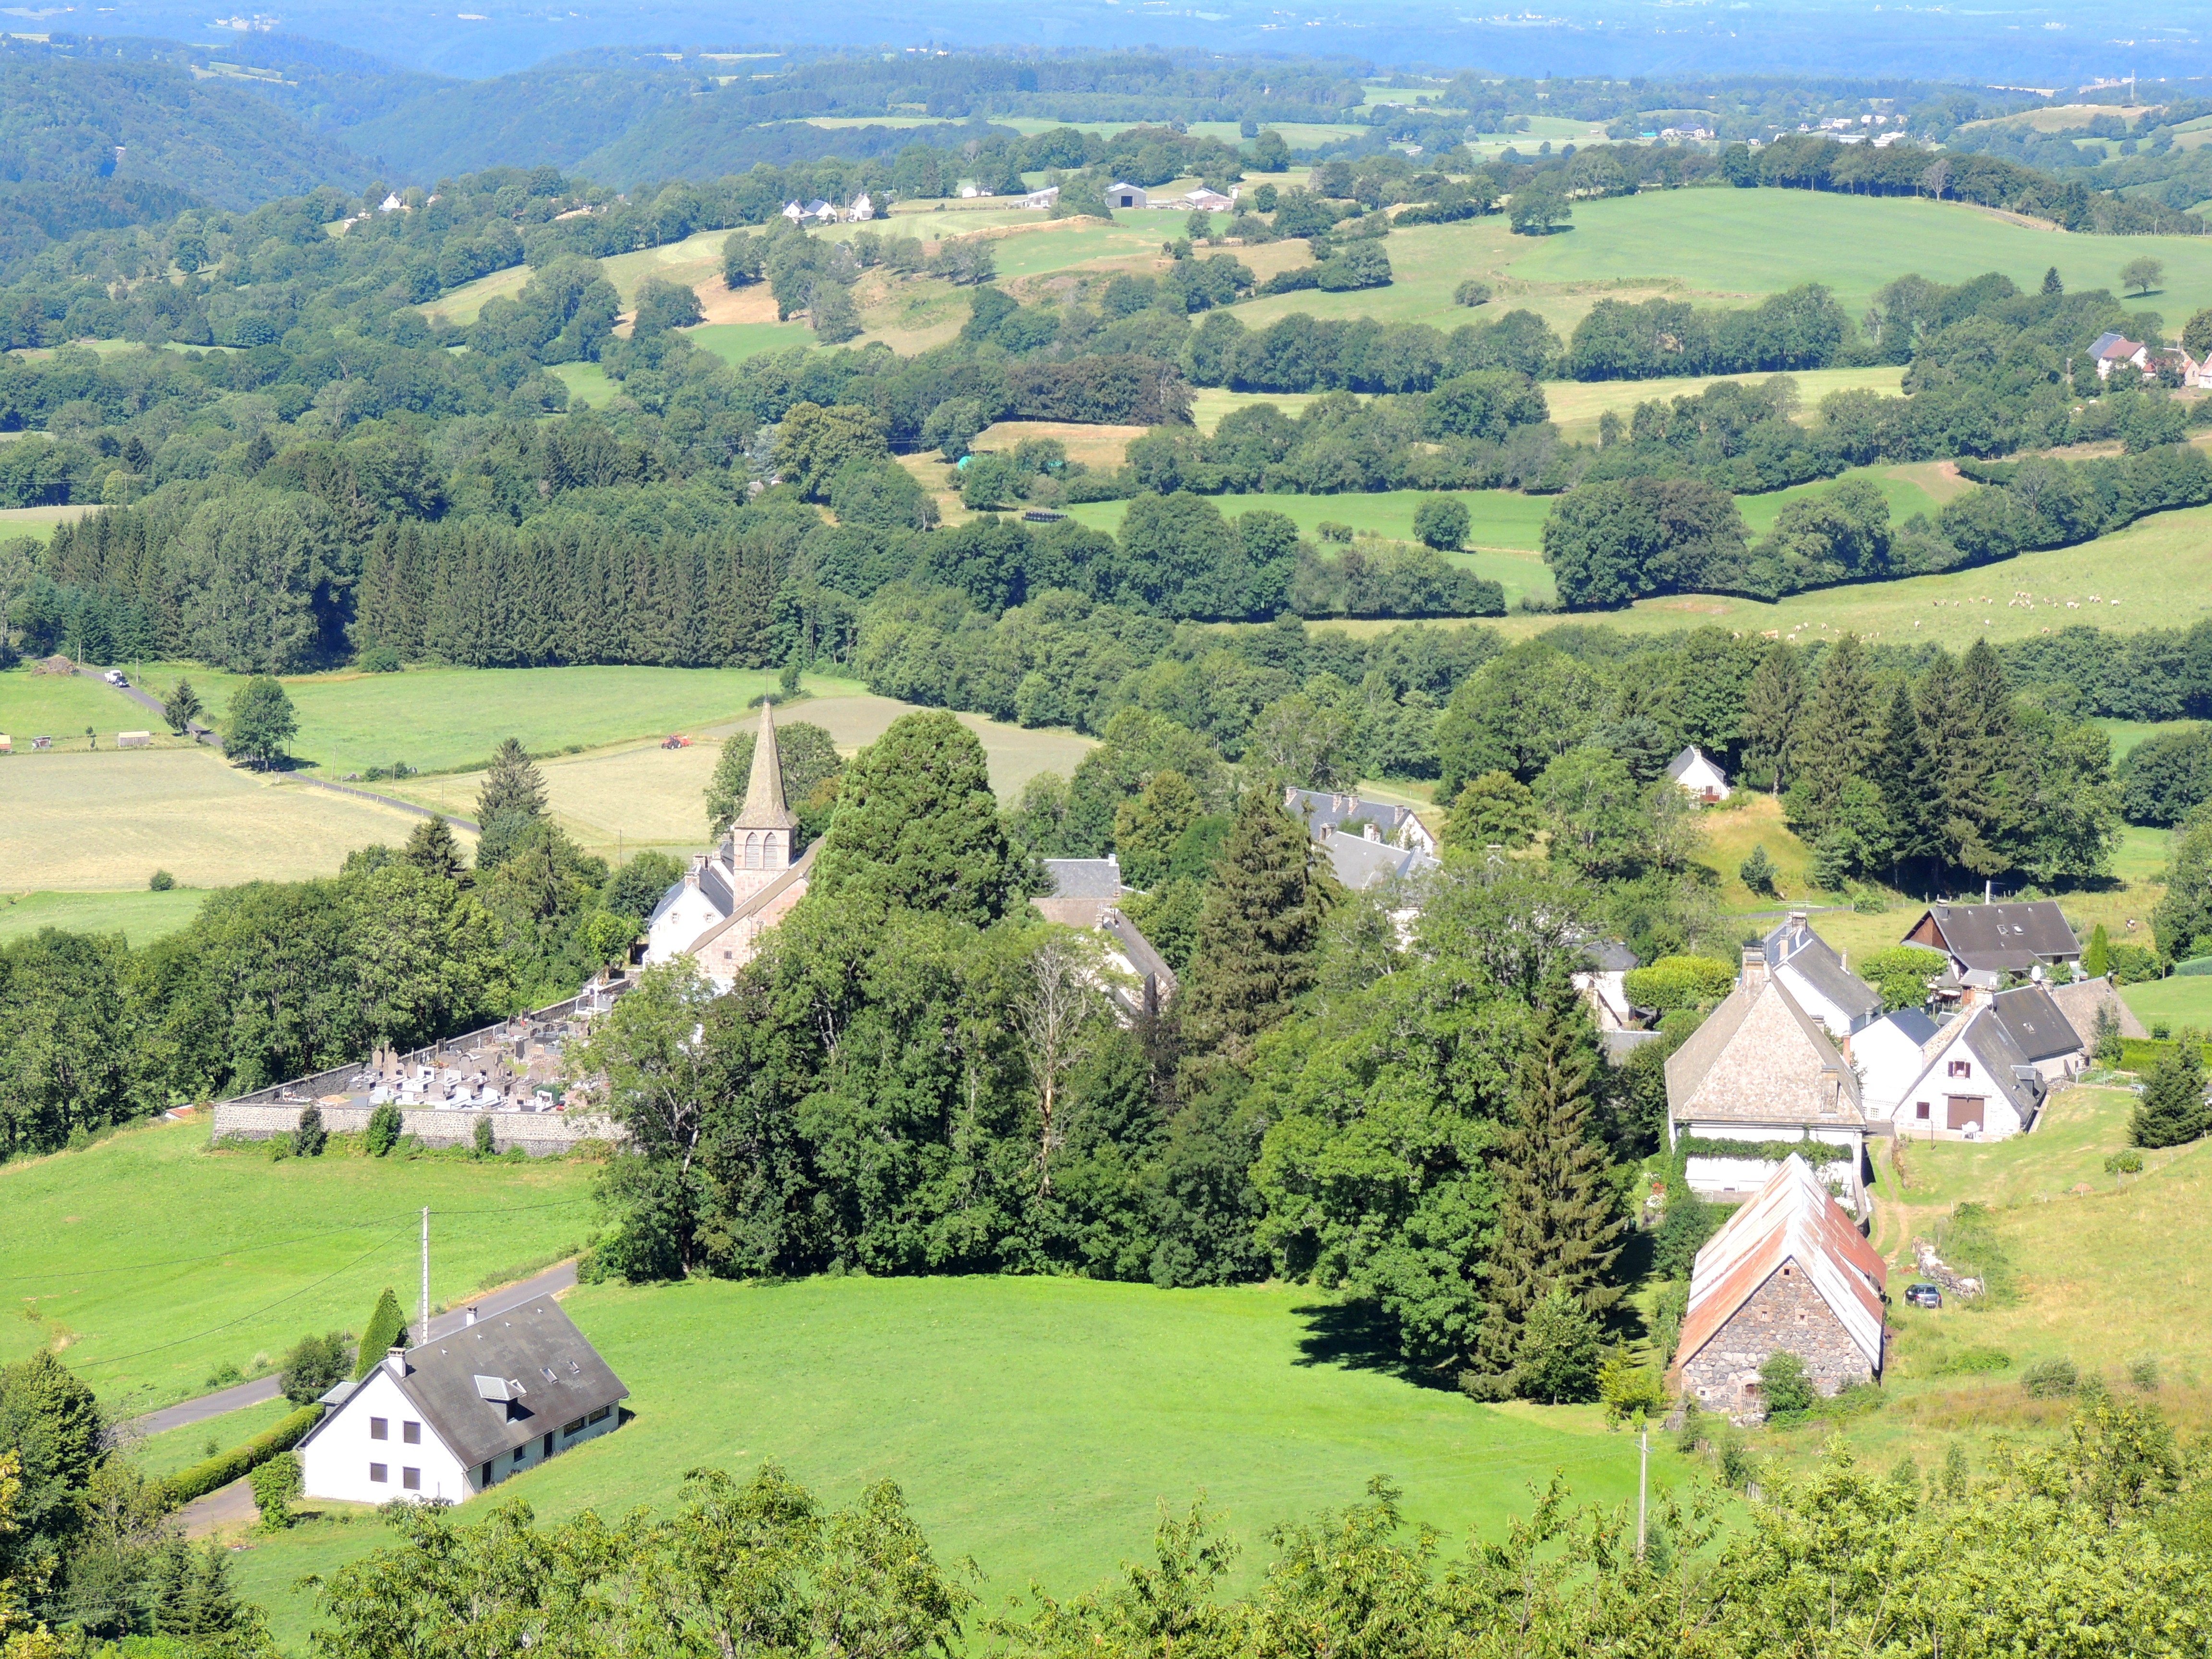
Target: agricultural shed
[{"x": 1787, "y": 1271}]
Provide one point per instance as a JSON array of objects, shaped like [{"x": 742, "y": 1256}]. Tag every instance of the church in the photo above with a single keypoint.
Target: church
[{"x": 730, "y": 896}]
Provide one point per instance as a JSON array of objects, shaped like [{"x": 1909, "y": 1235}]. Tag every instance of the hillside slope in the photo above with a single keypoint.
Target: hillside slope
[{"x": 79, "y": 122}]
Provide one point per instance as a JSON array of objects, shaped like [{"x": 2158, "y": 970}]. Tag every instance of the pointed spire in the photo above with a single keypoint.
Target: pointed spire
[{"x": 764, "y": 808}]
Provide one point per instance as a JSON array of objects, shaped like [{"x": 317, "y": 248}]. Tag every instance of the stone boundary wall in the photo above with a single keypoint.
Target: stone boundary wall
[{"x": 541, "y": 1134}]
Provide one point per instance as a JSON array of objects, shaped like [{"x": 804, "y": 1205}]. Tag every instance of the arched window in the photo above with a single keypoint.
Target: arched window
[{"x": 752, "y": 850}]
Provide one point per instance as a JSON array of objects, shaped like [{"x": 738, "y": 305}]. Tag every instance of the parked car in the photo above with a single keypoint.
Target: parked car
[
  {"x": 115, "y": 676},
  {"x": 1924, "y": 1296}
]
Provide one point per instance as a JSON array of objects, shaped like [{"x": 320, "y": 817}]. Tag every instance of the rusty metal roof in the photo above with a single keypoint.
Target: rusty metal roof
[{"x": 1791, "y": 1219}]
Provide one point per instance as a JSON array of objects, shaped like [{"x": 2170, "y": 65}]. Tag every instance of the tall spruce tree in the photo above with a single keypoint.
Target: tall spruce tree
[
  {"x": 1256, "y": 932},
  {"x": 2173, "y": 1112},
  {"x": 1559, "y": 1225},
  {"x": 387, "y": 1329},
  {"x": 1967, "y": 745},
  {"x": 513, "y": 785},
  {"x": 431, "y": 848},
  {"x": 1771, "y": 708},
  {"x": 1839, "y": 733},
  {"x": 1904, "y": 773}
]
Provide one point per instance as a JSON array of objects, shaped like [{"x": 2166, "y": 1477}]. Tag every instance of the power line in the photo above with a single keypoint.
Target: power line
[
  {"x": 116, "y": 1360},
  {"x": 276, "y": 1244}
]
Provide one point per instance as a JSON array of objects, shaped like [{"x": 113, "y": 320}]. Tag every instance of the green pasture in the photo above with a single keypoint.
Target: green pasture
[
  {"x": 2181, "y": 1000},
  {"x": 1501, "y": 518},
  {"x": 1038, "y": 1424},
  {"x": 239, "y": 1256},
  {"x": 164, "y": 1453},
  {"x": 139, "y": 915},
  {"x": 2126, "y": 735},
  {"x": 735, "y": 342},
  {"x": 1576, "y": 406},
  {"x": 587, "y": 382},
  {"x": 60, "y": 706}
]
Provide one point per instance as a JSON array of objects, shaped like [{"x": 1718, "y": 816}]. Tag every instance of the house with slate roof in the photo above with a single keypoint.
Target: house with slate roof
[
  {"x": 1762, "y": 1069},
  {"x": 456, "y": 1415},
  {"x": 1997, "y": 939},
  {"x": 1889, "y": 1055},
  {"x": 1789, "y": 1272},
  {"x": 1699, "y": 778},
  {"x": 731, "y": 896},
  {"x": 1977, "y": 1082},
  {"x": 1814, "y": 974},
  {"x": 1322, "y": 812},
  {"x": 1082, "y": 889}
]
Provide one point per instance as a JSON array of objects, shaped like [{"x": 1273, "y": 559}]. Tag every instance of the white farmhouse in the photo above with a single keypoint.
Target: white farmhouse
[
  {"x": 1976, "y": 1083},
  {"x": 460, "y": 1413},
  {"x": 1699, "y": 778},
  {"x": 1890, "y": 1055},
  {"x": 1808, "y": 968}
]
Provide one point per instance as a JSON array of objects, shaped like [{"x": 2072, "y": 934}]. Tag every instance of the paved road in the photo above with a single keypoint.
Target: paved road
[
  {"x": 207, "y": 1405},
  {"x": 206, "y": 734}
]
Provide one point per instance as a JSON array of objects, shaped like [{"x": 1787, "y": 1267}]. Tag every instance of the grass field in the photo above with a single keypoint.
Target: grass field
[
  {"x": 2179, "y": 1001},
  {"x": 164, "y": 1453},
  {"x": 587, "y": 382},
  {"x": 139, "y": 915},
  {"x": 106, "y": 822},
  {"x": 2126, "y": 735},
  {"x": 61, "y": 706},
  {"x": 627, "y": 796},
  {"x": 1033, "y": 1423},
  {"x": 241, "y": 1256}
]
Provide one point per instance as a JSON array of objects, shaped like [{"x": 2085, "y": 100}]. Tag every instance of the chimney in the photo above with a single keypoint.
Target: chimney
[
  {"x": 468, "y": 1316},
  {"x": 1754, "y": 968},
  {"x": 1973, "y": 996},
  {"x": 395, "y": 1361}
]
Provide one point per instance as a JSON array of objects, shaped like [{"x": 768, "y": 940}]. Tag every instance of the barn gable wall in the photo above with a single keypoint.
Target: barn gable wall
[{"x": 1785, "y": 1312}]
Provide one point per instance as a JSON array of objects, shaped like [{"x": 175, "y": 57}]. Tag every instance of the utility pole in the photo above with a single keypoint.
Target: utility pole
[
  {"x": 1643, "y": 1476},
  {"x": 424, "y": 1329}
]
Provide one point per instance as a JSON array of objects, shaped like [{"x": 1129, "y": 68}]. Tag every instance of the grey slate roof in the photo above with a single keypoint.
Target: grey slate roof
[
  {"x": 1916, "y": 1024},
  {"x": 1139, "y": 950},
  {"x": 533, "y": 1344},
  {"x": 2032, "y": 1020},
  {"x": 1795, "y": 944},
  {"x": 2004, "y": 938},
  {"x": 1683, "y": 761},
  {"x": 716, "y": 887},
  {"x": 1360, "y": 863},
  {"x": 1323, "y": 812},
  {"x": 1610, "y": 956},
  {"x": 1085, "y": 878},
  {"x": 1988, "y": 1041},
  {"x": 1760, "y": 1059}
]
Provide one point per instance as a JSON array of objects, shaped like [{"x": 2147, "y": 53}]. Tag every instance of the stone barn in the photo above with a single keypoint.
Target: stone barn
[{"x": 1791, "y": 1271}]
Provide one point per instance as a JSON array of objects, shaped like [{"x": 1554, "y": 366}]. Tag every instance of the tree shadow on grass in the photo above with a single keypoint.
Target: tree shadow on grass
[{"x": 1358, "y": 1336}]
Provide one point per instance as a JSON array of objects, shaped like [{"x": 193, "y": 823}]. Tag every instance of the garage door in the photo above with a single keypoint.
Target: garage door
[{"x": 1959, "y": 1110}]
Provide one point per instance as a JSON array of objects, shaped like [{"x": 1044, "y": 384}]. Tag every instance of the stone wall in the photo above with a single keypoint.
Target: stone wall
[
  {"x": 541, "y": 1134},
  {"x": 1786, "y": 1312}
]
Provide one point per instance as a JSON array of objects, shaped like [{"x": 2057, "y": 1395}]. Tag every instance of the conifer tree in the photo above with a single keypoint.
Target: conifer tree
[
  {"x": 513, "y": 785},
  {"x": 1560, "y": 1228},
  {"x": 2173, "y": 1112},
  {"x": 1905, "y": 775},
  {"x": 1839, "y": 733},
  {"x": 431, "y": 848},
  {"x": 1969, "y": 743},
  {"x": 387, "y": 1329},
  {"x": 1772, "y": 705},
  {"x": 2097, "y": 959},
  {"x": 1256, "y": 933}
]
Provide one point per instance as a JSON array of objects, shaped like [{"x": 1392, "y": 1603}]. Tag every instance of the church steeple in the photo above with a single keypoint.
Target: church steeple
[{"x": 765, "y": 807}]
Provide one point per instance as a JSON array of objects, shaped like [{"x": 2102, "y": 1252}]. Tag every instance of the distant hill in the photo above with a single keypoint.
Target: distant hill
[
  {"x": 75, "y": 127},
  {"x": 709, "y": 140}
]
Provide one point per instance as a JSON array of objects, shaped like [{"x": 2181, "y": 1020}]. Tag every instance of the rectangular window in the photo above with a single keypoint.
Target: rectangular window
[
  {"x": 576, "y": 1427},
  {"x": 1920, "y": 1109},
  {"x": 1962, "y": 1068},
  {"x": 411, "y": 1433},
  {"x": 378, "y": 1474},
  {"x": 411, "y": 1479},
  {"x": 379, "y": 1429},
  {"x": 600, "y": 1415}
]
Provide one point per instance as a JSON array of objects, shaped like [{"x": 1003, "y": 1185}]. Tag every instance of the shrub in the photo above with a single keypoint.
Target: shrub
[
  {"x": 1330, "y": 531},
  {"x": 224, "y": 1374},
  {"x": 1628, "y": 1390},
  {"x": 161, "y": 882},
  {"x": 1757, "y": 870},
  {"x": 2128, "y": 1163},
  {"x": 275, "y": 1483},
  {"x": 1901, "y": 973},
  {"x": 2134, "y": 964},
  {"x": 1693, "y": 1431},
  {"x": 2050, "y": 1379},
  {"x": 1440, "y": 522},
  {"x": 2171, "y": 1111},
  {"x": 1784, "y": 1386},
  {"x": 213, "y": 1473},
  {"x": 384, "y": 1125},
  {"x": 1471, "y": 293},
  {"x": 1678, "y": 982},
  {"x": 379, "y": 660},
  {"x": 486, "y": 1145},
  {"x": 2143, "y": 1374},
  {"x": 315, "y": 1365},
  {"x": 1974, "y": 1362},
  {"x": 1738, "y": 1467},
  {"x": 1559, "y": 1355}
]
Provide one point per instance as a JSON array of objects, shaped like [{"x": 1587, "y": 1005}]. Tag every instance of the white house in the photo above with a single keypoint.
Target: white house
[
  {"x": 730, "y": 896},
  {"x": 1889, "y": 1055},
  {"x": 457, "y": 1414},
  {"x": 1975, "y": 1084},
  {"x": 1808, "y": 966},
  {"x": 860, "y": 210},
  {"x": 1372, "y": 820},
  {"x": 2114, "y": 349},
  {"x": 1700, "y": 779},
  {"x": 793, "y": 212},
  {"x": 1212, "y": 201},
  {"x": 1762, "y": 1069}
]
